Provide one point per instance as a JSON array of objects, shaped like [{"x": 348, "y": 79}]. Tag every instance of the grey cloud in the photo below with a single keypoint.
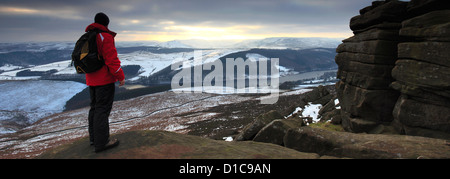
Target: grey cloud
[{"x": 293, "y": 13}]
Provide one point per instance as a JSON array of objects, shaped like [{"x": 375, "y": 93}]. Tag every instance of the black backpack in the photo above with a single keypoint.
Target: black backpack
[{"x": 85, "y": 56}]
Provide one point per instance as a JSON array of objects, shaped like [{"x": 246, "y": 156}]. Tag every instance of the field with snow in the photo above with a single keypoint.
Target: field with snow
[
  {"x": 26, "y": 102},
  {"x": 150, "y": 63}
]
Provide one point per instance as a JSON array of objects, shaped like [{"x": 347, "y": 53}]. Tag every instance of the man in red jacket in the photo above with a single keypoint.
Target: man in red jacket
[{"x": 101, "y": 85}]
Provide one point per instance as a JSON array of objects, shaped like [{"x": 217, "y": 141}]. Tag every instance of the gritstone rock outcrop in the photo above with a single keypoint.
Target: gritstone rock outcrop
[{"x": 396, "y": 68}]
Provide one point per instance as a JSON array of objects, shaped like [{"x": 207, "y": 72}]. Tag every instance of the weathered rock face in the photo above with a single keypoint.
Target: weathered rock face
[
  {"x": 422, "y": 71},
  {"x": 365, "y": 63},
  {"x": 275, "y": 131},
  {"x": 397, "y": 68}
]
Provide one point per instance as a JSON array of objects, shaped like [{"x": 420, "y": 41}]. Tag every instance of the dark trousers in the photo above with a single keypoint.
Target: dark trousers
[{"x": 102, "y": 98}]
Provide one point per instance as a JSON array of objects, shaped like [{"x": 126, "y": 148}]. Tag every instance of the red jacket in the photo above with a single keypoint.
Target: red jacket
[{"x": 111, "y": 71}]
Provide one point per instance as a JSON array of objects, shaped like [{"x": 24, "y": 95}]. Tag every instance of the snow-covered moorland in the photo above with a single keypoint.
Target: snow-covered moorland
[{"x": 32, "y": 100}]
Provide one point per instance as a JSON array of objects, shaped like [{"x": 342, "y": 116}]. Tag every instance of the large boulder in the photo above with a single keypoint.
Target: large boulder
[
  {"x": 249, "y": 131},
  {"x": 357, "y": 124},
  {"x": 344, "y": 144},
  {"x": 319, "y": 95},
  {"x": 275, "y": 131}
]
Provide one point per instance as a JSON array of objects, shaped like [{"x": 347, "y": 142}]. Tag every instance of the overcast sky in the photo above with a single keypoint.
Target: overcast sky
[{"x": 163, "y": 20}]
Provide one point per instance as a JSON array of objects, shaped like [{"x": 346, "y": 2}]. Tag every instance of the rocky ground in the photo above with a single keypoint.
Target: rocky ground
[
  {"x": 169, "y": 145},
  {"x": 300, "y": 143}
]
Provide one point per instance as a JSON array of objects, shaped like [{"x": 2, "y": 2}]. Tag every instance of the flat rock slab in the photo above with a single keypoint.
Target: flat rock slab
[
  {"x": 169, "y": 145},
  {"x": 345, "y": 144}
]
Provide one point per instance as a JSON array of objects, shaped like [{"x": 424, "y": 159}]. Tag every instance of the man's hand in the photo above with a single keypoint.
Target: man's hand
[{"x": 122, "y": 82}]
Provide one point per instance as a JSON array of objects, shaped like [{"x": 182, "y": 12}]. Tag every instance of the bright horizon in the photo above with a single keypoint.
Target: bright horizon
[
  {"x": 164, "y": 20},
  {"x": 217, "y": 34}
]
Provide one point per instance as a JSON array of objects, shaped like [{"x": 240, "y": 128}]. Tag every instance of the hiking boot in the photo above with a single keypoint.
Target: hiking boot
[{"x": 112, "y": 143}]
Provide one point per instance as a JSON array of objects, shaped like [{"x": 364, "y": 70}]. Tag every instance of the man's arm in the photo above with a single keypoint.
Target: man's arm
[{"x": 111, "y": 60}]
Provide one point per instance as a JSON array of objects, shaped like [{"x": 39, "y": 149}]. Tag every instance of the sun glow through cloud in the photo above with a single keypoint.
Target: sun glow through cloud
[
  {"x": 168, "y": 36},
  {"x": 238, "y": 32}
]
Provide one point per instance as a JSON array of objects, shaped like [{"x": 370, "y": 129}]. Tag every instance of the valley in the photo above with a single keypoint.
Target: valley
[{"x": 46, "y": 66}]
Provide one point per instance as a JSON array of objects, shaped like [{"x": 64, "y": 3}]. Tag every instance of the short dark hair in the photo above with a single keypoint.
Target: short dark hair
[{"x": 101, "y": 18}]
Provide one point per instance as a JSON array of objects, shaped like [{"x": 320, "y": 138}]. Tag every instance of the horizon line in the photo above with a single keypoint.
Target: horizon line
[{"x": 199, "y": 39}]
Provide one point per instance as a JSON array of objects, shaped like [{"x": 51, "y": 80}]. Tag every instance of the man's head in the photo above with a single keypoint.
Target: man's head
[{"x": 102, "y": 18}]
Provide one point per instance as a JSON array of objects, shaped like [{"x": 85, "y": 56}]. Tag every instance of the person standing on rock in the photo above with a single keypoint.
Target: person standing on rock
[{"x": 101, "y": 85}]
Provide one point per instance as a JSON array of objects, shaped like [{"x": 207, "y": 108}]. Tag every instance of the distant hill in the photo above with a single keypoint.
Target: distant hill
[
  {"x": 31, "y": 58},
  {"x": 267, "y": 43},
  {"x": 38, "y": 53},
  {"x": 291, "y": 43},
  {"x": 304, "y": 60}
]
